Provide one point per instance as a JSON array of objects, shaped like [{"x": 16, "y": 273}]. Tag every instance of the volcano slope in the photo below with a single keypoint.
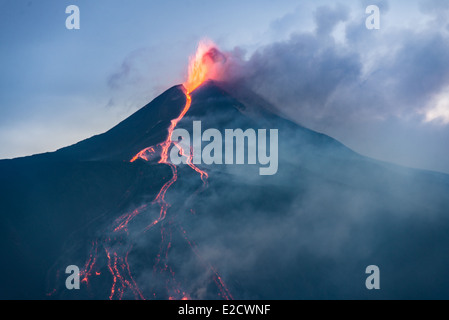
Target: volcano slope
[{"x": 307, "y": 232}]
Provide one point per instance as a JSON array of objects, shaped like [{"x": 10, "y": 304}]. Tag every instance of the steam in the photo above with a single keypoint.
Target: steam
[{"x": 340, "y": 78}]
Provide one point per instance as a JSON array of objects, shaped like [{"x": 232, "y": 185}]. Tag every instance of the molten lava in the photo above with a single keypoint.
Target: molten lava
[
  {"x": 201, "y": 68},
  {"x": 204, "y": 65}
]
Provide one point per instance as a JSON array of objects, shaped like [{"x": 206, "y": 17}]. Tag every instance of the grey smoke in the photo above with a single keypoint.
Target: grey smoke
[{"x": 367, "y": 90}]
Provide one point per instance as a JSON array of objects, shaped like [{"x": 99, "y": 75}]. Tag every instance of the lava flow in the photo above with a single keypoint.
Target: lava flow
[
  {"x": 115, "y": 247},
  {"x": 199, "y": 69},
  {"x": 198, "y": 73}
]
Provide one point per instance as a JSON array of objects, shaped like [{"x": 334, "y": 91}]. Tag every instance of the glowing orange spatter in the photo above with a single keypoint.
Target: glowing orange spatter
[{"x": 199, "y": 67}]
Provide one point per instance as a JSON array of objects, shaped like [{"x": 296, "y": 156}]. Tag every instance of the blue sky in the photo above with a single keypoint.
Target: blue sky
[{"x": 386, "y": 94}]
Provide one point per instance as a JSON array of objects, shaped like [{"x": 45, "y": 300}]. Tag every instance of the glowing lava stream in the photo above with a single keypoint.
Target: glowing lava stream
[
  {"x": 198, "y": 73},
  {"x": 165, "y": 146},
  {"x": 199, "y": 68},
  {"x": 114, "y": 244}
]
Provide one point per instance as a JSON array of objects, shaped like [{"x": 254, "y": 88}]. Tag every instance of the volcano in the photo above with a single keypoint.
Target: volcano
[{"x": 219, "y": 231}]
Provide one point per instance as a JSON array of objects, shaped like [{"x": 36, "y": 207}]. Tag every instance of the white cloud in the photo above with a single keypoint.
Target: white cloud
[{"x": 438, "y": 109}]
